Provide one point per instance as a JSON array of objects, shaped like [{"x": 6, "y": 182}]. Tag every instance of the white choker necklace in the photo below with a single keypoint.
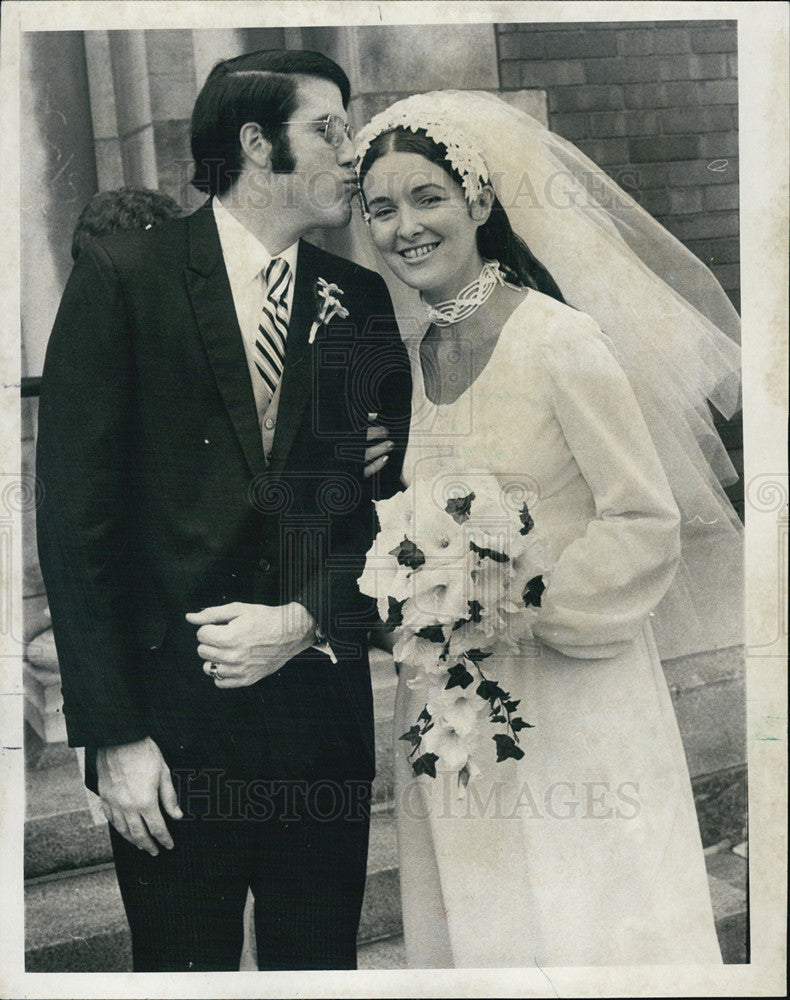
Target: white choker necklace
[{"x": 469, "y": 299}]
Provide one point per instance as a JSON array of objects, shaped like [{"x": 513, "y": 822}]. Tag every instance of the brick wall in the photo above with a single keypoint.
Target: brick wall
[{"x": 654, "y": 103}]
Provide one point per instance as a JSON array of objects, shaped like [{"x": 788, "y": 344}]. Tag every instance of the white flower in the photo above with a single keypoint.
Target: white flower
[
  {"x": 441, "y": 605},
  {"x": 420, "y": 556},
  {"x": 490, "y": 582},
  {"x": 379, "y": 576},
  {"x": 420, "y": 653},
  {"x": 457, "y": 716},
  {"x": 469, "y": 636},
  {"x": 329, "y": 305},
  {"x": 534, "y": 560},
  {"x": 452, "y": 749},
  {"x": 396, "y": 513},
  {"x": 459, "y": 708}
]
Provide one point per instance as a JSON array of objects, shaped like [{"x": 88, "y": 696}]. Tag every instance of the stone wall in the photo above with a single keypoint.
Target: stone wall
[{"x": 655, "y": 104}]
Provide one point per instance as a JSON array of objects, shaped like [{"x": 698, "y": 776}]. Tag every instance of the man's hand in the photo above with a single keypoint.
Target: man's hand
[
  {"x": 133, "y": 779},
  {"x": 376, "y": 455},
  {"x": 241, "y": 643}
]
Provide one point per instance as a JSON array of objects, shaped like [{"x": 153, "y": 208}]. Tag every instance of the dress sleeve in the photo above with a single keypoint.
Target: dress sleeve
[{"x": 607, "y": 581}]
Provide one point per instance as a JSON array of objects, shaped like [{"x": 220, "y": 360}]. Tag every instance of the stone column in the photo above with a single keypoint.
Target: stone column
[
  {"x": 385, "y": 63},
  {"x": 59, "y": 175},
  {"x": 143, "y": 86},
  {"x": 106, "y": 138}
]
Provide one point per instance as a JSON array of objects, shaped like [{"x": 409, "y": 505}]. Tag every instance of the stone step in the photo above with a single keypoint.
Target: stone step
[
  {"x": 61, "y": 832},
  {"x": 49, "y": 723},
  {"x": 384, "y": 681},
  {"x": 387, "y": 954},
  {"x": 41, "y": 677},
  {"x": 75, "y": 922},
  {"x": 381, "y": 912},
  {"x": 728, "y": 883},
  {"x": 42, "y": 688}
]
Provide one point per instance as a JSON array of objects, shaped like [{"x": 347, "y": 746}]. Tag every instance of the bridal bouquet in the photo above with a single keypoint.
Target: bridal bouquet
[{"x": 456, "y": 569}]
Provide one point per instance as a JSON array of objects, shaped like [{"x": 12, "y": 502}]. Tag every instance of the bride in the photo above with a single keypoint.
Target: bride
[{"x": 586, "y": 851}]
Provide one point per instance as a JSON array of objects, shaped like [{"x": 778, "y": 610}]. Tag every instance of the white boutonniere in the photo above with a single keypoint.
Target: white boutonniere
[{"x": 328, "y": 305}]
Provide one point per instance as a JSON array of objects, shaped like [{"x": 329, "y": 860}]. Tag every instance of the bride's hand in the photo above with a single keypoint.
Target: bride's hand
[{"x": 376, "y": 455}]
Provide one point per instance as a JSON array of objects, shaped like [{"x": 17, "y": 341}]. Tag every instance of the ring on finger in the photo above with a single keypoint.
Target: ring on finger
[{"x": 213, "y": 669}]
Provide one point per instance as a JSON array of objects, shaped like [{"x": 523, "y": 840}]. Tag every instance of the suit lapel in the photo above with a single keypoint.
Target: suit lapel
[
  {"x": 297, "y": 376},
  {"x": 212, "y": 301}
]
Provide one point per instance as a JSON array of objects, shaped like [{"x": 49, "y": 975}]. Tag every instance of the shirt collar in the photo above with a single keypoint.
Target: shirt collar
[{"x": 245, "y": 256}]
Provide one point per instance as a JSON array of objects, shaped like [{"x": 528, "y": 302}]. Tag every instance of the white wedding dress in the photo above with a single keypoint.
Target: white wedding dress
[{"x": 587, "y": 851}]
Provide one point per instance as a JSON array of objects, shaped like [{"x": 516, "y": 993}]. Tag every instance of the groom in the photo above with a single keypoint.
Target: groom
[{"x": 205, "y": 517}]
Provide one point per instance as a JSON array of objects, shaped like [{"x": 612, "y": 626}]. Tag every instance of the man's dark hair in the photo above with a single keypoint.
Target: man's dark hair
[
  {"x": 258, "y": 87},
  {"x": 126, "y": 208}
]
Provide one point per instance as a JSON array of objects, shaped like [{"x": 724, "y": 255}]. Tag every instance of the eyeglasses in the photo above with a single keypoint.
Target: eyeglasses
[{"x": 335, "y": 129}]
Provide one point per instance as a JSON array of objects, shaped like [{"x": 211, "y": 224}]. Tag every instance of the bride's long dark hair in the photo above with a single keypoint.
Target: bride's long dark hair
[{"x": 495, "y": 238}]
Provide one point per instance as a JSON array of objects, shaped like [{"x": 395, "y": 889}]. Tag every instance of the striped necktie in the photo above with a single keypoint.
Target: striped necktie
[{"x": 273, "y": 324}]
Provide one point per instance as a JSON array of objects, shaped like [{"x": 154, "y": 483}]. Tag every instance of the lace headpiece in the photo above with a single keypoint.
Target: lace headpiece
[{"x": 424, "y": 113}]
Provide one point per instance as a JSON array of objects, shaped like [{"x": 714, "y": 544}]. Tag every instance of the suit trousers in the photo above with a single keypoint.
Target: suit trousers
[{"x": 300, "y": 846}]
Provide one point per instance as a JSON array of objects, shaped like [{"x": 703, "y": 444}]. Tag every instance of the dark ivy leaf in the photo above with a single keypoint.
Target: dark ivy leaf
[
  {"x": 413, "y": 736},
  {"x": 459, "y": 677},
  {"x": 433, "y": 633},
  {"x": 506, "y": 748},
  {"x": 425, "y": 715},
  {"x": 490, "y": 691},
  {"x": 395, "y": 614},
  {"x": 486, "y": 553},
  {"x": 498, "y": 718},
  {"x": 517, "y": 724},
  {"x": 535, "y": 588},
  {"x": 526, "y": 519},
  {"x": 459, "y": 507},
  {"x": 511, "y": 706},
  {"x": 475, "y": 611},
  {"x": 476, "y": 655},
  {"x": 426, "y": 764},
  {"x": 408, "y": 554}
]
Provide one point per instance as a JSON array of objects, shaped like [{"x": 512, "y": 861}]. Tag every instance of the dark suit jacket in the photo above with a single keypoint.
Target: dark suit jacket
[{"x": 158, "y": 500}]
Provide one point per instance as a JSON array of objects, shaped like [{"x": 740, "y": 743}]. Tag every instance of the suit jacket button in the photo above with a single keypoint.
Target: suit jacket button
[{"x": 264, "y": 565}]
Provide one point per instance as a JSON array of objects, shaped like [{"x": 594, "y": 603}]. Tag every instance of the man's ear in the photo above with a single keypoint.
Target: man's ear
[
  {"x": 254, "y": 145},
  {"x": 480, "y": 209}
]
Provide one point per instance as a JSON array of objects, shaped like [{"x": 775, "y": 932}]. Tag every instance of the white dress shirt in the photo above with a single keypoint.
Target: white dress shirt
[{"x": 245, "y": 257}]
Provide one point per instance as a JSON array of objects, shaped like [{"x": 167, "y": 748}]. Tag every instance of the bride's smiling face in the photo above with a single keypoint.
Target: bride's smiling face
[{"x": 420, "y": 221}]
